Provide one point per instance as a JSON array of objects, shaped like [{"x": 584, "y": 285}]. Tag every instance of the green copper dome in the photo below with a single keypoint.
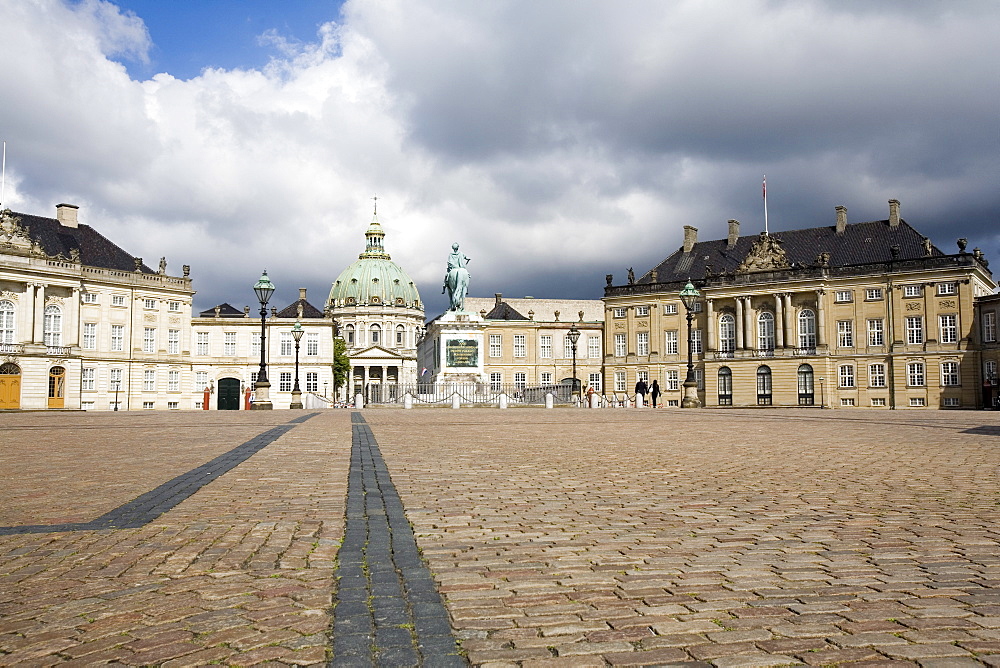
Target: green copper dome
[{"x": 374, "y": 279}]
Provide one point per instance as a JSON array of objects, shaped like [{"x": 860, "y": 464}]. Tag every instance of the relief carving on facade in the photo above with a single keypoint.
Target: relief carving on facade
[
  {"x": 53, "y": 300},
  {"x": 913, "y": 306},
  {"x": 149, "y": 317},
  {"x": 947, "y": 303},
  {"x": 642, "y": 323},
  {"x": 765, "y": 254},
  {"x": 8, "y": 295}
]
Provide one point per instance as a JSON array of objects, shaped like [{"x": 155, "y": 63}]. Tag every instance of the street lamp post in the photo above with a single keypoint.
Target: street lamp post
[
  {"x": 118, "y": 384},
  {"x": 264, "y": 289},
  {"x": 573, "y": 336},
  {"x": 689, "y": 296},
  {"x": 296, "y": 392}
]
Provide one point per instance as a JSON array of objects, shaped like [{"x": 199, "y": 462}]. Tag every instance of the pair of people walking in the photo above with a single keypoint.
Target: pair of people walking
[{"x": 641, "y": 390}]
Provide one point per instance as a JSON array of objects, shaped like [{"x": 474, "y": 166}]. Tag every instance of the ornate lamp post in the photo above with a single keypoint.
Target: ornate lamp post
[
  {"x": 264, "y": 289},
  {"x": 573, "y": 336},
  {"x": 297, "y": 332},
  {"x": 688, "y": 296}
]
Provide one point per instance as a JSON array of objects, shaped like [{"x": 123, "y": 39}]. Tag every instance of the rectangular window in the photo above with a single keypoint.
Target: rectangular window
[
  {"x": 620, "y": 385},
  {"x": 116, "y": 379},
  {"x": 118, "y": 300},
  {"x": 642, "y": 343},
  {"x": 173, "y": 306},
  {"x": 946, "y": 288},
  {"x": 148, "y": 405},
  {"x": 400, "y": 335},
  {"x": 847, "y": 401},
  {"x": 915, "y": 374},
  {"x": 546, "y": 378},
  {"x": 567, "y": 348},
  {"x": 845, "y": 333},
  {"x": 173, "y": 405},
  {"x": 670, "y": 342},
  {"x": 673, "y": 379},
  {"x": 173, "y": 381},
  {"x": 846, "y": 375},
  {"x": 255, "y": 345},
  {"x": 201, "y": 347},
  {"x": 641, "y": 311},
  {"x": 287, "y": 344},
  {"x": 843, "y": 296},
  {"x": 951, "y": 402},
  {"x": 699, "y": 377},
  {"x": 873, "y": 294},
  {"x": 618, "y": 312},
  {"x": 496, "y": 380},
  {"x": 915, "y": 329},
  {"x": 670, "y": 309},
  {"x": 989, "y": 326},
  {"x": 88, "y": 379},
  {"x": 876, "y": 332},
  {"x": 912, "y": 290},
  {"x": 876, "y": 375},
  {"x": 199, "y": 405},
  {"x": 990, "y": 370},
  {"x": 545, "y": 346},
  {"x": 620, "y": 345},
  {"x": 89, "y": 297},
  {"x": 949, "y": 374},
  {"x": 117, "y": 338},
  {"x": 696, "y": 341},
  {"x": 90, "y": 336},
  {"x": 696, "y": 307},
  {"x": 594, "y": 347},
  {"x": 496, "y": 345},
  {"x": 200, "y": 381},
  {"x": 643, "y": 376},
  {"x": 520, "y": 345},
  {"x": 878, "y": 401},
  {"x": 88, "y": 405},
  {"x": 285, "y": 381},
  {"x": 312, "y": 344},
  {"x": 520, "y": 380},
  {"x": 149, "y": 303},
  {"x": 149, "y": 380},
  {"x": 253, "y": 377},
  {"x": 149, "y": 340},
  {"x": 173, "y": 341},
  {"x": 917, "y": 402},
  {"x": 949, "y": 328},
  {"x": 229, "y": 344},
  {"x": 312, "y": 381},
  {"x": 594, "y": 380}
]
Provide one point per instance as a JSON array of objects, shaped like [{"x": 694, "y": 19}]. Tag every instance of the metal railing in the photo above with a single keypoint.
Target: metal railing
[{"x": 468, "y": 393}]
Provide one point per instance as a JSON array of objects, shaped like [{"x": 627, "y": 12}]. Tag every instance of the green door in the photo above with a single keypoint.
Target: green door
[{"x": 229, "y": 394}]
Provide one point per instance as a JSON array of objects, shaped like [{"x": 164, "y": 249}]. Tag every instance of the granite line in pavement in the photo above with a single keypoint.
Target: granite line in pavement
[
  {"x": 387, "y": 610},
  {"x": 147, "y": 507}
]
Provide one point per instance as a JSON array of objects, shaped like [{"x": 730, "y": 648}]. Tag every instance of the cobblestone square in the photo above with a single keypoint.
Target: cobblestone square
[{"x": 564, "y": 537}]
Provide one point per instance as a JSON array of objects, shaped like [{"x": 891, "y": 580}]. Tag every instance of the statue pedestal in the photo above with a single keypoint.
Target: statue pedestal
[{"x": 454, "y": 349}]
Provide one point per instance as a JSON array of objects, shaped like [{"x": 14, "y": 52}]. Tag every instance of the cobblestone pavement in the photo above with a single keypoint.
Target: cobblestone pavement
[{"x": 557, "y": 538}]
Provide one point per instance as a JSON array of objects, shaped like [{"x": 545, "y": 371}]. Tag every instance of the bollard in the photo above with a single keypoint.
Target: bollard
[
  {"x": 594, "y": 401},
  {"x": 548, "y": 400},
  {"x": 502, "y": 400},
  {"x": 407, "y": 400},
  {"x": 359, "y": 401},
  {"x": 456, "y": 401}
]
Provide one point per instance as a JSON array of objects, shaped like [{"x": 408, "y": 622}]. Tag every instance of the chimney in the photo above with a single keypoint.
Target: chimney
[
  {"x": 302, "y": 294},
  {"x": 499, "y": 296},
  {"x": 690, "y": 238},
  {"x": 841, "y": 219},
  {"x": 894, "y": 213},
  {"x": 66, "y": 214},
  {"x": 734, "y": 233}
]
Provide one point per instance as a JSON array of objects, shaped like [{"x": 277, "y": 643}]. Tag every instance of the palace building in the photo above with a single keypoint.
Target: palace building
[{"x": 846, "y": 315}]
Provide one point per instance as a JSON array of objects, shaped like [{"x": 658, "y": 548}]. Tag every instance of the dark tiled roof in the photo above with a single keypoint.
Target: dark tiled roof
[
  {"x": 860, "y": 243},
  {"x": 95, "y": 250},
  {"x": 504, "y": 311},
  {"x": 225, "y": 311},
  {"x": 292, "y": 310}
]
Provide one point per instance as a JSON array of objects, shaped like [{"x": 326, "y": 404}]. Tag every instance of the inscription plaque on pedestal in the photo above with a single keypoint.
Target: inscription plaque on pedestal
[{"x": 461, "y": 353}]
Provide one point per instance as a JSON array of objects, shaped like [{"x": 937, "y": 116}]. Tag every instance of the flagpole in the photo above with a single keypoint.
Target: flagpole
[
  {"x": 764, "y": 189},
  {"x": 3, "y": 176}
]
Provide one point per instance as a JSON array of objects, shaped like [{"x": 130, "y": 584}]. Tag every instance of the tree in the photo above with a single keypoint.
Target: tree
[{"x": 341, "y": 364}]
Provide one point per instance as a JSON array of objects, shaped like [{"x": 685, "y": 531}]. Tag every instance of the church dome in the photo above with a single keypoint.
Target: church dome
[{"x": 374, "y": 279}]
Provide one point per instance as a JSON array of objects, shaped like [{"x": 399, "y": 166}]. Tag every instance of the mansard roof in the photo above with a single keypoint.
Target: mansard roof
[
  {"x": 95, "y": 250},
  {"x": 225, "y": 311},
  {"x": 504, "y": 311},
  {"x": 292, "y": 310}
]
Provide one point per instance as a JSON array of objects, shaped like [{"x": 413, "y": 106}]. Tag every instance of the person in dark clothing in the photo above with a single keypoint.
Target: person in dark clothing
[
  {"x": 654, "y": 392},
  {"x": 640, "y": 393}
]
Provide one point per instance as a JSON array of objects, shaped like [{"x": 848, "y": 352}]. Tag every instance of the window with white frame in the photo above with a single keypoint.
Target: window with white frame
[
  {"x": 173, "y": 341},
  {"x": 914, "y": 329},
  {"x": 89, "y": 297},
  {"x": 400, "y": 336},
  {"x": 545, "y": 378},
  {"x": 545, "y": 346},
  {"x": 520, "y": 345},
  {"x": 642, "y": 343},
  {"x": 90, "y": 336},
  {"x": 253, "y": 377},
  {"x": 876, "y": 332},
  {"x": 118, "y": 300},
  {"x": 496, "y": 381},
  {"x": 594, "y": 347},
  {"x": 594, "y": 380},
  {"x": 845, "y": 333},
  {"x": 312, "y": 344},
  {"x": 878, "y": 401},
  {"x": 873, "y": 294},
  {"x": 620, "y": 384},
  {"x": 200, "y": 381},
  {"x": 6, "y": 321},
  {"x": 567, "y": 347},
  {"x": 115, "y": 378},
  {"x": 148, "y": 405},
  {"x": 670, "y": 308},
  {"x": 673, "y": 379},
  {"x": 807, "y": 328},
  {"x": 847, "y": 401},
  {"x": 496, "y": 345},
  {"x": 841, "y": 296},
  {"x": 621, "y": 343},
  {"x": 951, "y": 402},
  {"x": 876, "y": 375},
  {"x": 696, "y": 342},
  {"x": 173, "y": 306},
  {"x": 727, "y": 333},
  {"x": 149, "y": 340},
  {"x": 349, "y": 335},
  {"x": 229, "y": 344},
  {"x": 148, "y": 303},
  {"x": 618, "y": 312},
  {"x": 765, "y": 331},
  {"x": 696, "y": 307},
  {"x": 917, "y": 402},
  {"x": 117, "y": 338},
  {"x": 375, "y": 332},
  {"x": 198, "y": 405},
  {"x": 285, "y": 381},
  {"x": 643, "y": 376},
  {"x": 255, "y": 345},
  {"x": 312, "y": 381},
  {"x": 990, "y": 370},
  {"x": 949, "y": 328},
  {"x": 949, "y": 288},
  {"x": 201, "y": 343},
  {"x": 173, "y": 405},
  {"x": 641, "y": 311},
  {"x": 173, "y": 381},
  {"x": 699, "y": 378},
  {"x": 52, "y": 325},
  {"x": 149, "y": 380},
  {"x": 287, "y": 344},
  {"x": 846, "y": 375},
  {"x": 912, "y": 290},
  {"x": 670, "y": 342},
  {"x": 87, "y": 405},
  {"x": 989, "y": 326},
  {"x": 520, "y": 379},
  {"x": 949, "y": 374},
  {"x": 88, "y": 379},
  {"x": 915, "y": 374}
]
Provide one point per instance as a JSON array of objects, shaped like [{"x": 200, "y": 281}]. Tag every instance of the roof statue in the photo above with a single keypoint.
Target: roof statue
[
  {"x": 765, "y": 254},
  {"x": 456, "y": 280}
]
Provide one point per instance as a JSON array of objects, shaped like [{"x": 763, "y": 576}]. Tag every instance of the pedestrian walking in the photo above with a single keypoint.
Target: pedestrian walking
[
  {"x": 654, "y": 392},
  {"x": 640, "y": 393}
]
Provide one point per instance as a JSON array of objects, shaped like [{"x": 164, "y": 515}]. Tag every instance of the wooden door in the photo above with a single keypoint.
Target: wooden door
[
  {"x": 57, "y": 387},
  {"x": 229, "y": 394},
  {"x": 10, "y": 386}
]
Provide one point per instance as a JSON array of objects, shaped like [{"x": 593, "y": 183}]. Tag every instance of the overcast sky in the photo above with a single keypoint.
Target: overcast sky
[{"x": 555, "y": 140}]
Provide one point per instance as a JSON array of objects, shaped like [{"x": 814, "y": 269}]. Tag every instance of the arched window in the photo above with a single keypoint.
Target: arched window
[
  {"x": 725, "y": 386},
  {"x": 375, "y": 331},
  {"x": 349, "y": 335},
  {"x": 806, "y": 393},
  {"x": 6, "y": 321},
  {"x": 400, "y": 336},
  {"x": 763, "y": 385},
  {"x": 807, "y": 329},
  {"x": 765, "y": 331},
  {"x": 52, "y": 325},
  {"x": 727, "y": 333}
]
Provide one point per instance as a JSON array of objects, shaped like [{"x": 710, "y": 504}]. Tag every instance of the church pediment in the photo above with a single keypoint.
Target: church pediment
[
  {"x": 375, "y": 352},
  {"x": 765, "y": 254}
]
